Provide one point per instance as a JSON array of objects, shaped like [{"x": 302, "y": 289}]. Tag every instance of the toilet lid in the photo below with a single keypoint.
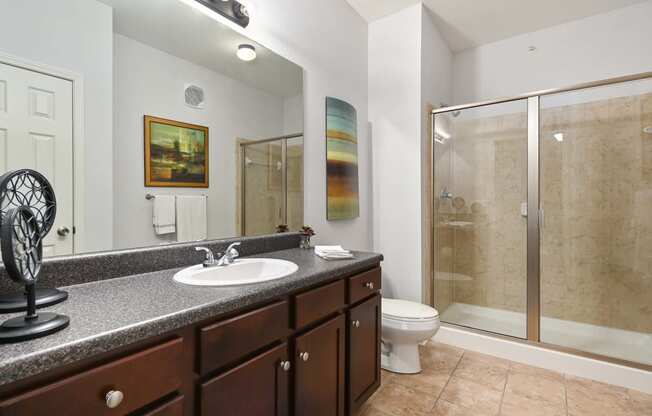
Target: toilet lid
[{"x": 405, "y": 309}]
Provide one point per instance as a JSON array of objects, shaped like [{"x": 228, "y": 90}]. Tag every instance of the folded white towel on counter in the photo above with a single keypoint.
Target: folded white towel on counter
[
  {"x": 163, "y": 216},
  {"x": 333, "y": 252}
]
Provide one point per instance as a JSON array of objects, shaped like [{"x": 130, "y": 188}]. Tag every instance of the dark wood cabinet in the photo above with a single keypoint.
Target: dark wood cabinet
[
  {"x": 314, "y": 352},
  {"x": 319, "y": 370},
  {"x": 363, "y": 351},
  {"x": 257, "y": 387}
]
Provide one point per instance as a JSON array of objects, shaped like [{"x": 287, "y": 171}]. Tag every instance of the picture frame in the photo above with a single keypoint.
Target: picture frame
[{"x": 176, "y": 153}]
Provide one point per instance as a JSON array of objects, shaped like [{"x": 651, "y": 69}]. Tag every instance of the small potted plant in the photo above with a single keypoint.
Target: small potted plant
[
  {"x": 282, "y": 228},
  {"x": 306, "y": 232}
]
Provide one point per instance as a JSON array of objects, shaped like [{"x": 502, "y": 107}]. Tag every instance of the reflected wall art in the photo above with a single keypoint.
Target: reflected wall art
[{"x": 341, "y": 160}]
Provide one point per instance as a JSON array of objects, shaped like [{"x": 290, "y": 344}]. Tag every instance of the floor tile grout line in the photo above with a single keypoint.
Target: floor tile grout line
[
  {"x": 566, "y": 393},
  {"x": 502, "y": 398},
  {"x": 450, "y": 376}
]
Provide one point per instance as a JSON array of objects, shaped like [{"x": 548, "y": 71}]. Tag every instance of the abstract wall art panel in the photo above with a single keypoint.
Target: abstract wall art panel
[
  {"x": 176, "y": 153},
  {"x": 341, "y": 160}
]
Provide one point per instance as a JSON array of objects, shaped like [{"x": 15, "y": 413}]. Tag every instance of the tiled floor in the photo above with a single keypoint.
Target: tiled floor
[{"x": 455, "y": 382}]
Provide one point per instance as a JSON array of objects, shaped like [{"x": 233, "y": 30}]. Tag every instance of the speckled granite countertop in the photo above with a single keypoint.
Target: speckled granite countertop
[{"x": 109, "y": 314}]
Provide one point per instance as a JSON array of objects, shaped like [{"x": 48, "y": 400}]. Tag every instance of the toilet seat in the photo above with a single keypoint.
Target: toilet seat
[{"x": 407, "y": 311}]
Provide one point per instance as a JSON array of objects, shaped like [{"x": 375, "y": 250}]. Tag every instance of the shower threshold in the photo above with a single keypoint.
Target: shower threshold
[{"x": 611, "y": 342}]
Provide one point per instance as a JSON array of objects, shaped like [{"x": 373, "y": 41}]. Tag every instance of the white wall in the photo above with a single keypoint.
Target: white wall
[
  {"x": 598, "y": 47},
  {"x": 329, "y": 40},
  {"x": 409, "y": 66},
  {"x": 151, "y": 82},
  {"x": 75, "y": 35}
]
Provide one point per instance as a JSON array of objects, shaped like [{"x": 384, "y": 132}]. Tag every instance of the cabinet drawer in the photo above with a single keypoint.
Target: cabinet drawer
[
  {"x": 318, "y": 303},
  {"x": 142, "y": 378},
  {"x": 172, "y": 408},
  {"x": 226, "y": 341},
  {"x": 257, "y": 387},
  {"x": 364, "y": 284}
]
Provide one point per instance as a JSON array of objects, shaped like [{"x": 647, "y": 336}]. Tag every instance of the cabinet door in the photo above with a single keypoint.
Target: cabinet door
[
  {"x": 319, "y": 370},
  {"x": 363, "y": 351},
  {"x": 259, "y": 387}
]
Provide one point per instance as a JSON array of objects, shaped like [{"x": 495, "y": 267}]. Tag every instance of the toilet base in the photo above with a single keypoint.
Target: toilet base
[{"x": 400, "y": 358}]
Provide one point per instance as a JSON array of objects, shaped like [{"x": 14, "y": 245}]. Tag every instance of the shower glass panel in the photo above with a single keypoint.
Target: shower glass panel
[
  {"x": 596, "y": 237},
  {"x": 295, "y": 183},
  {"x": 263, "y": 194},
  {"x": 480, "y": 192}
]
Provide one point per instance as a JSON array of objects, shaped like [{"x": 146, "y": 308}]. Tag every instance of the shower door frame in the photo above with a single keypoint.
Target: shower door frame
[
  {"x": 534, "y": 214},
  {"x": 284, "y": 174}
]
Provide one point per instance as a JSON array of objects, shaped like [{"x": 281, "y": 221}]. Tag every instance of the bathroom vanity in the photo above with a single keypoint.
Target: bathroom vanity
[{"x": 308, "y": 344}]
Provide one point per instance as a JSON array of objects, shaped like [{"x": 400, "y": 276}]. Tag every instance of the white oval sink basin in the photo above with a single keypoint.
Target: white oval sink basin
[{"x": 241, "y": 272}]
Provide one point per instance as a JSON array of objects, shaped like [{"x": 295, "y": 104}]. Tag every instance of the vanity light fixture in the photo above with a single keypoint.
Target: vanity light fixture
[
  {"x": 246, "y": 52},
  {"x": 558, "y": 136},
  {"x": 232, "y": 10}
]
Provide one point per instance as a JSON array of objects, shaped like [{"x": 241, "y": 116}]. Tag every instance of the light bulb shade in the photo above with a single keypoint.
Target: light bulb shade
[{"x": 246, "y": 52}]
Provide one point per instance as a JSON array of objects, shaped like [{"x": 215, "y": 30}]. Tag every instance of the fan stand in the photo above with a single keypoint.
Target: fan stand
[
  {"x": 32, "y": 325},
  {"x": 17, "y": 302}
]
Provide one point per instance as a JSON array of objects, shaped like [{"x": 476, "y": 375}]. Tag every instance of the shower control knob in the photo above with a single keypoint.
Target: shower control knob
[
  {"x": 356, "y": 324},
  {"x": 114, "y": 398},
  {"x": 369, "y": 285},
  {"x": 304, "y": 356},
  {"x": 285, "y": 365}
]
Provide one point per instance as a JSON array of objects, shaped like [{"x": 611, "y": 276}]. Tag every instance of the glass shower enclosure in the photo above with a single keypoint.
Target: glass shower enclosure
[
  {"x": 542, "y": 210},
  {"x": 271, "y": 184}
]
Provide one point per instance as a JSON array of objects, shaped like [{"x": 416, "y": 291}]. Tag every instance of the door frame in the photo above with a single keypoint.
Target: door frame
[
  {"x": 534, "y": 217},
  {"x": 77, "y": 80}
]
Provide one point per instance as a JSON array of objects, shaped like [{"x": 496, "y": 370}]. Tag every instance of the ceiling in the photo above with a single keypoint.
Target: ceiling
[
  {"x": 175, "y": 28},
  {"x": 469, "y": 23}
]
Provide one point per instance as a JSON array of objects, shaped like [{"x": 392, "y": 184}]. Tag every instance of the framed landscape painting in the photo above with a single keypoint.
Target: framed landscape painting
[
  {"x": 176, "y": 153},
  {"x": 341, "y": 160}
]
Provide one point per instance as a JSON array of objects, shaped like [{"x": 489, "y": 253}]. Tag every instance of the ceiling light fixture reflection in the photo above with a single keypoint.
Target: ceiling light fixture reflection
[
  {"x": 246, "y": 52},
  {"x": 558, "y": 136}
]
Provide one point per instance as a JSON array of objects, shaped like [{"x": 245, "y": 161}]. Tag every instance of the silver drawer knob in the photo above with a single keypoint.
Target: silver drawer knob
[
  {"x": 285, "y": 365},
  {"x": 304, "y": 356},
  {"x": 63, "y": 231},
  {"x": 369, "y": 285},
  {"x": 114, "y": 398},
  {"x": 356, "y": 324}
]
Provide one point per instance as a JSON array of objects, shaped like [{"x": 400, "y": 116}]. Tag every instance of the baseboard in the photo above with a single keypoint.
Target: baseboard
[{"x": 562, "y": 362}]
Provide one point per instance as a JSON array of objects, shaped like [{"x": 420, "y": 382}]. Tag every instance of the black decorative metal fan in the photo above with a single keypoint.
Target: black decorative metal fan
[
  {"x": 26, "y": 187},
  {"x": 22, "y": 250},
  {"x": 27, "y": 212}
]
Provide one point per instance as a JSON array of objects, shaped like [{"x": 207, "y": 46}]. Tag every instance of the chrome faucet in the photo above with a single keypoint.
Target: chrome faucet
[
  {"x": 230, "y": 254},
  {"x": 210, "y": 258}
]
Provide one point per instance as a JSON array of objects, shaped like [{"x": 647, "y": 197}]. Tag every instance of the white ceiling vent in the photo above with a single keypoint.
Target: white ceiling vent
[{"x": 194, "y": 96}]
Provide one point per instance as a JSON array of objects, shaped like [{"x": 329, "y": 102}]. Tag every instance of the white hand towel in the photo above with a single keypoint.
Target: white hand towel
[
  {"x": 191, "y": 218},
  {"x": 163, "y": 214},
  {"x": 333, "y": 252}
]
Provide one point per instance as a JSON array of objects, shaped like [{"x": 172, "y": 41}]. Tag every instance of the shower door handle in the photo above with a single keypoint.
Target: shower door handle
[{"x": 541, "y": 218}]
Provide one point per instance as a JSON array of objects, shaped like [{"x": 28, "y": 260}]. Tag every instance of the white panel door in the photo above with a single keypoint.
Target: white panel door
[{"x": 36, "y": 133}]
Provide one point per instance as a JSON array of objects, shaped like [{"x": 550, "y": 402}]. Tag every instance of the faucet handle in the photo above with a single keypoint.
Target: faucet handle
[
  {"x": 231, "y": 251},
  {"x": 209, "y": 254}
]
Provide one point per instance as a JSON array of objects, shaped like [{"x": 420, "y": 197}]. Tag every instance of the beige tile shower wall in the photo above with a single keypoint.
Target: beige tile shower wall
[
  {"x": 596, "y": 190},
  {"x": 489, "y": 174}
]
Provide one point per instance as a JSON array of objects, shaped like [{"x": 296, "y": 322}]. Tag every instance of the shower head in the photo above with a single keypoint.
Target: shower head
[{"x": 647, "y": 130}]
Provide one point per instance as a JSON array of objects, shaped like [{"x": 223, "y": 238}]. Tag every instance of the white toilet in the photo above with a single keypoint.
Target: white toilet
[{"x": 405, "y": 325}]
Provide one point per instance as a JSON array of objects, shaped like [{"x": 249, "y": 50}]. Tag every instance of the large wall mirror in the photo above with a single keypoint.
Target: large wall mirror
[{"x": 155, "y": 123}]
